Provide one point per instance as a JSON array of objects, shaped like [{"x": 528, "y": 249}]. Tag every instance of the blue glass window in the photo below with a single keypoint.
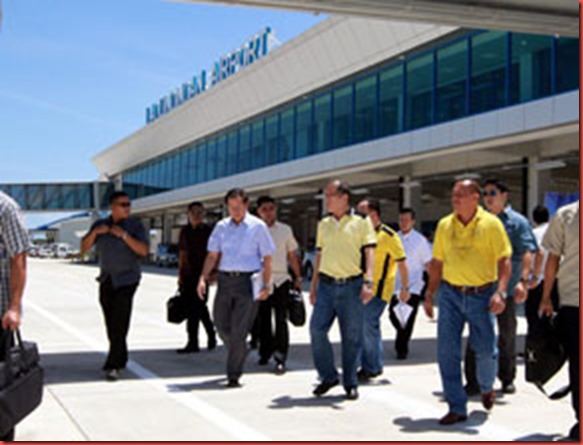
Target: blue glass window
[
  {"x": 192, "y": 167},
  {"x": 342, "y": 117},
  {"x": 201, "y": 162},
  {"x": 488, "y": 90},
  {"x": 452, "y": 76},
  {"x": 419, "y": 92},
  {"x": 567, "y": 65},
  {"x": 272, "y": 138},
  {"x": 321, "y": 137},
  {"x": 221, "y": 156},
  {"x": 365, "y": 94},
  {"x": 303, "y": 128},
  {"x": 530, "y": 67},
  {"x": 258, "y": 144},
  {"x": 245, "y": 148},
  {"x": 233, "y": 153},
  {"x": 212, "y": 158},
  {"x": 391, "y": 101},
  {"x": 286, "y": 149}
]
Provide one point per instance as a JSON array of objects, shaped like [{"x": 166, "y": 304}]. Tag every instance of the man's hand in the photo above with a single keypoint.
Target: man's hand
[
  {"x": 201, "y": 289},
  {"x": 312, "y": 296},
  {"x": 117, "y": 231},
  {"x": 428, "y": 305},
  {"x": 497, "y": 303},
  {"x": 101, "y": 230},
  {"x": 404, "y": 295},
  {"x": 11, "y": 319},
  {"x": 520, "y": 293},
  {"x": 366, "y": 293},
  {"x": 298, "y": 284},
  {"x": 545, "y": 307},
  {"x": 264, "y": 294}
]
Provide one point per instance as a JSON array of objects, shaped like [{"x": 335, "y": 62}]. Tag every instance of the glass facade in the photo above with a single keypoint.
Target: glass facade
[{"x": 467, "y": 74}]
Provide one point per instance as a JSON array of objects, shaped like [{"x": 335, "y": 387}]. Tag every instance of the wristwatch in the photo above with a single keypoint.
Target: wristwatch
[
  {"x": 367, "y": 283},
  {"x": 503, "y": 293}
]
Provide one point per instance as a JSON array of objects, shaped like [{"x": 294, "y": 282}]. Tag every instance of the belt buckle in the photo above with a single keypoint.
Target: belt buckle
[{"x": 341, "y": 280}]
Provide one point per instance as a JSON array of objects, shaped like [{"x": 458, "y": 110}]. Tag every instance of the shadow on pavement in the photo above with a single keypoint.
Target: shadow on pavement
[
  {"x": 469, "y": 427},
  {"x": 286, "y": 402},
  {"x": 539, "y": 437}
]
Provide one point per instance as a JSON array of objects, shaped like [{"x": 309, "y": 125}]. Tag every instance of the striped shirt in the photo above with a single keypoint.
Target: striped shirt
[{"x": 13, "y": 241}]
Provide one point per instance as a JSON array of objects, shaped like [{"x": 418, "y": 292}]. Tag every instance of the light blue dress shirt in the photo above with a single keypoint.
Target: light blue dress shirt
[{"x": 242, "y": 246}]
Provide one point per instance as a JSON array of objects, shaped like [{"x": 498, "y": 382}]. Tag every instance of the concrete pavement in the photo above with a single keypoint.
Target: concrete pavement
[{"x": 167, "y": 397}]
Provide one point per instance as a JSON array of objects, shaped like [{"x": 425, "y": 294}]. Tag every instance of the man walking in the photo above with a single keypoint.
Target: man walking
[
  {"x": 471, "y": 267},
  {"x": 338, "y": 288},
  {"x": 192, "y": 251},
  {"x": 388, "y": 256},
  {"x": 524, "y": 248},
  {"x": 242, "y": 246},
  {"x": 562, "y": 244},
  {"x": 285, "y": 255},
  {"x": 418, "y": 252},
  {"x": 14, "y": 244},
  {"x": 121, "y": 242}
]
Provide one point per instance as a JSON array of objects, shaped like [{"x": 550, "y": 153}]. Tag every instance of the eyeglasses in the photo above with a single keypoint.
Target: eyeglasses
[{"x": 490, "y": 193}]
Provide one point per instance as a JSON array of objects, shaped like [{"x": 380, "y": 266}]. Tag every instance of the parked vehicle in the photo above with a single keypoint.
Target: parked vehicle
[
  {"x": 45, "y": 251},
  {"x": 167, "y": 255}
]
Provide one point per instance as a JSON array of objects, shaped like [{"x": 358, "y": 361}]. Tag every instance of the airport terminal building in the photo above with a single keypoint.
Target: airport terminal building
[{"x": 397, "y": 109}]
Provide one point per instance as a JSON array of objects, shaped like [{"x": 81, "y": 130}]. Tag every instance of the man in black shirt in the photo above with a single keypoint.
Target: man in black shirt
[
  {"x": 192, "y": 249},
  {"x": 121, "y": 242}
]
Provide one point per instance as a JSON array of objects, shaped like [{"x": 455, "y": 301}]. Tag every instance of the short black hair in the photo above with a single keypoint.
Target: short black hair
[
  {"x": 408, "y": 210},
  {"x": 236, "y": 193},
  {"x": 195, "y": 204},
  {"x": 374, "y": 204},
  {"x": 540, "y": 214},
  {"x": 265, "y": 199},
  {"x": 342, "y": 187},
  {"x": 117, "y": 194},
  {"x": 498, "y": 184}
]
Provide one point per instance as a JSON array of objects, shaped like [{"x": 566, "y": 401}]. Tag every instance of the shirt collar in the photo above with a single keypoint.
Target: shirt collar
[
  {"x": 478, "y": 215},
  {"x": 244, "y": 221}
]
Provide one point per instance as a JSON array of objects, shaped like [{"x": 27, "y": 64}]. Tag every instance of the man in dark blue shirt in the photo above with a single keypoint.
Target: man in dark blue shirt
[{"x": 121, "y": 242}]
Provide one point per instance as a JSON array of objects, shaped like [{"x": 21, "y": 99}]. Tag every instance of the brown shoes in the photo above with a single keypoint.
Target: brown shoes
[
  {"x": 451, "y": 418},
  {"x": 488, "y": 399}
]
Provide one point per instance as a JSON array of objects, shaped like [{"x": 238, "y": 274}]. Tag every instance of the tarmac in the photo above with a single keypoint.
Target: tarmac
[{"x": 163, "y": 396}]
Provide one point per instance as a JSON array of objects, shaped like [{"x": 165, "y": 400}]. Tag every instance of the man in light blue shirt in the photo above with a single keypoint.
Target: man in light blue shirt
[{"x": 241, "y": 245}]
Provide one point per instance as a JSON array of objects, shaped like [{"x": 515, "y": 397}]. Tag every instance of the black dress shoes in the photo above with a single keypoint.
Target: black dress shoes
[
  {"x": 451, "y": 418},
  {"x": 351, "y": 393},
  {"x": 280, "y": 368},
  {"x": 188, "y": 349},
  {"x": 233, "y": 383},
  {"x": 324, "y": 387}
]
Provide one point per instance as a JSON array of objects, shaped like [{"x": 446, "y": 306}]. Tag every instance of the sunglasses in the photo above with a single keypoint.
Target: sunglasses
[{"x": 490, "y": 193}]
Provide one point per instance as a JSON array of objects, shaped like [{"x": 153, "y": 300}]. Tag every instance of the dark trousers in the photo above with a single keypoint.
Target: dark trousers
[
  {"x": 269, "y": 343},
  {"x": 568, "y": 324},
  {"x": 8, "y": 437},
  {"x": 506, "y": 348},
  {"x": 116, "y": 304},
  {"x": 234, "y": 312},
  {"x": 200, "y": 313},
  {"x": 403, "y": 333},
  {"x": 533, "y": 302}
]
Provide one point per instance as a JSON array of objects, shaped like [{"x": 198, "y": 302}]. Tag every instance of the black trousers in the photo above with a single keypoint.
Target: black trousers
[
  {"x": 200, "y": 313},
  {"x": 8, "y": 437},
  {"x": 116, "y": 305},
  {"x": 506, "y": 349},
  {"x": 270, "y": 343},
  {"x": 404, "y": 333},
  {"x": 568, "y": 323}
]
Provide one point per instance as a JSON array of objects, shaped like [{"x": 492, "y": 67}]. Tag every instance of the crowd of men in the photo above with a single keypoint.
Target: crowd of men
[{"x": 483, "y": 263}]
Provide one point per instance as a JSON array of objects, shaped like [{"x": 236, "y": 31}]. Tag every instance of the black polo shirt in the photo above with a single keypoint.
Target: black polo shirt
[{"x": 194, "y": 242}]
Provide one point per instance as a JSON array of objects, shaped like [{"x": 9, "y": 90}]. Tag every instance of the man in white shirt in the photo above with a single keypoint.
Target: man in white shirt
[
  {"x": 286, "y": 247},
  {"x": 418, "y": 252},
  {"x": 540, "y": 216}
]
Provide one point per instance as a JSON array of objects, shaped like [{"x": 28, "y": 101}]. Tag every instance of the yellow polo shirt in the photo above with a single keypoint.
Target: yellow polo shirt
[
  {"x": 341, "y": 242},
  {"x": 388, "y": 253},
  {"x": 470, "y": 253}
]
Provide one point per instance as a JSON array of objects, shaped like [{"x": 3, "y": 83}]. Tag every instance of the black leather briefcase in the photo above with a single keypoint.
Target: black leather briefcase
[{"x": 21, "y": 381}]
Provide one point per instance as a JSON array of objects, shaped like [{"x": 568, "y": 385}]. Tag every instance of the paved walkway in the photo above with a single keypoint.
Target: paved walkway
[{"x": 167, "y": 397}]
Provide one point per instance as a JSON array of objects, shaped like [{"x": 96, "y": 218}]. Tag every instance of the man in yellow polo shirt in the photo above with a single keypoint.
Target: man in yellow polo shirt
[
  {"x": 389, "y": 254},
  {"x": 471, "y": 266},
  {"x": 338, "y": 288}
]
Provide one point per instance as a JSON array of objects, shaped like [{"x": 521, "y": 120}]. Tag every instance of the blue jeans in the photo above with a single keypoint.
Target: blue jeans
[
  {"x": 342, "y": 301},
  {"x": 454, "y": 310},
  {"x": 372, "y": 351}
]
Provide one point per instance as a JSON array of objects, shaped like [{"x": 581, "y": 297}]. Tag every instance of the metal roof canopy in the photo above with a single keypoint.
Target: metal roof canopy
[{"x": 529, "y": 16}]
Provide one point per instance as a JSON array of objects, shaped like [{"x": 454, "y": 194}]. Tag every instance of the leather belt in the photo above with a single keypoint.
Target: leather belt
[
  {"x": 332, "y": 280},
  {"x": 470, "y": 290},
  {"x": 235, "y": 273}
]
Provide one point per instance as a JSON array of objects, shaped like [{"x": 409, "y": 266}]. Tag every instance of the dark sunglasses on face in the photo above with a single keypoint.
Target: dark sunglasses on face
[{"x": 490, "y": 193}]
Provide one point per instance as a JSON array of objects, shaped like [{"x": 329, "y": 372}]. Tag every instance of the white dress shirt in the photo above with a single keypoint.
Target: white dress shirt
[{"x": 418, "y": 253}]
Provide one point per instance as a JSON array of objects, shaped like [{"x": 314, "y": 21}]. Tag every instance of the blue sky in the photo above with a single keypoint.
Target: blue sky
[{"x": 76, "y": 76}]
